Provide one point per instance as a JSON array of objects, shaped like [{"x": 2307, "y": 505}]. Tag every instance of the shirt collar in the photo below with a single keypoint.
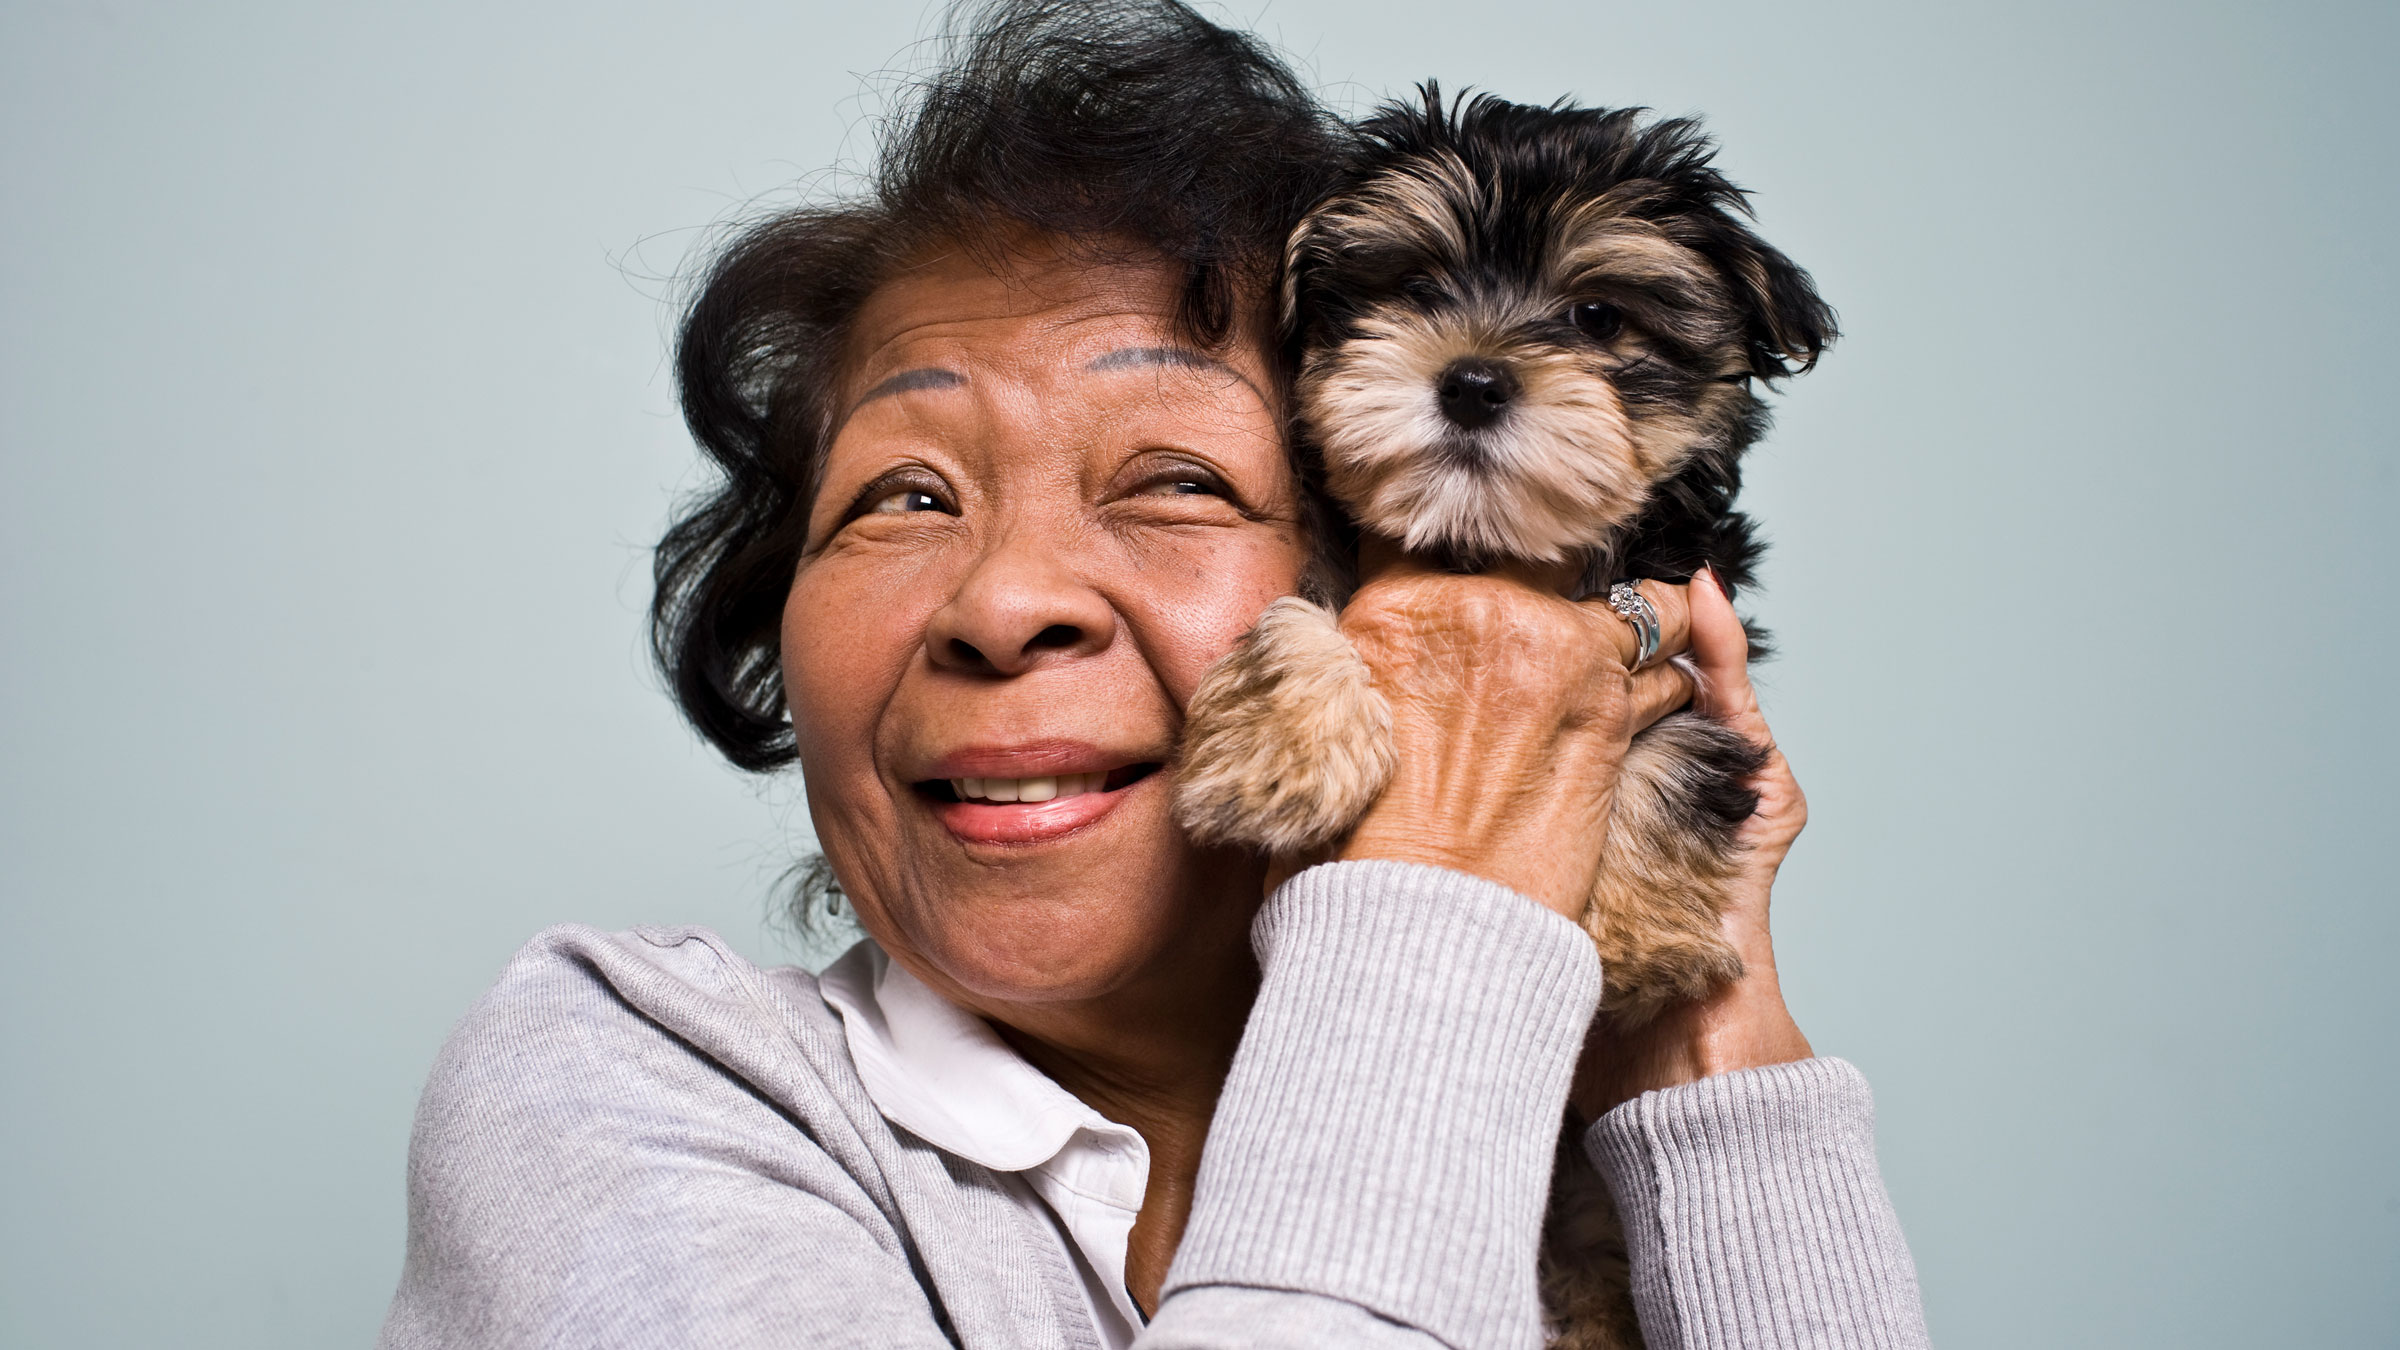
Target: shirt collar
[{"x": 944, "y": 1075}]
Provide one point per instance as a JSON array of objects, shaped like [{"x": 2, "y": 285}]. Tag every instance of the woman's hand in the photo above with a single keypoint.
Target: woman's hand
[
  {"x": 1511, "y": 711},
  {"x": 1744, "y": 1025}
]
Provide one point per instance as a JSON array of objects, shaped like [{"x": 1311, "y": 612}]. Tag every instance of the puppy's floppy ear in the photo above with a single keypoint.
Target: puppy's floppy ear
[
  {"x": 1304, "y": 252},
  {"x": 1786, "y": 324},
  {"x": 1340, "y": 223}
]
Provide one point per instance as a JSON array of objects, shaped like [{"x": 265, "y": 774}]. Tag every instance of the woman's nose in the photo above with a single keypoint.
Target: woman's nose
[{"x": 1019, "y": 605}]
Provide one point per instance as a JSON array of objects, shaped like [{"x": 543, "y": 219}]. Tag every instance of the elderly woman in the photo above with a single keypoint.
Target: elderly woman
[{"x": 1005, "y": 469}]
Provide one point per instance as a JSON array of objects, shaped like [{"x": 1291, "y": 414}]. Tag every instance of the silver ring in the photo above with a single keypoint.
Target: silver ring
[{"x": 1635, "y": 608}]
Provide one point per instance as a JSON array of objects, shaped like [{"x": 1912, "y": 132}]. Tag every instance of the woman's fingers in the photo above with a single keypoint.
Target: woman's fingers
[
  {"x": 1673, "y": 605},
  {"x": 1721, "y": 652},
  {"x": 1659, "y": 685},
  {"x": 1657, "y": 691},
  {"x": 1382, "y": 561}
]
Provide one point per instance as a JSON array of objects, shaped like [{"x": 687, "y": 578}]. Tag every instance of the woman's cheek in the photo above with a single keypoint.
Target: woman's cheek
[
  {"x": 1200, "y": 601},
  {"x": 850, "y": 627}
]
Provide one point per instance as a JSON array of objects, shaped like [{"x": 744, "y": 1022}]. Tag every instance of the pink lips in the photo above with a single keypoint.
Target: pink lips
[
  {"x": 1026, "y": 759},
  {"x": 979, "y": 822},
  {"x": 1026, "y": 822}
]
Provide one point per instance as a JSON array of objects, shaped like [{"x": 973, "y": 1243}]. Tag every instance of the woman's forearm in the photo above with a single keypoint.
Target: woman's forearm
[
  {"x": 1385, "y": 1138},
  {"x": 1754, "y": 1213}
]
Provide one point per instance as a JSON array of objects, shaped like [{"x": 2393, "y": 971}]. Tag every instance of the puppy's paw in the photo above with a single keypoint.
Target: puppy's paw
[
  {"x": 1668, "y": 868},
  {"x": 1286, "y": 743}
]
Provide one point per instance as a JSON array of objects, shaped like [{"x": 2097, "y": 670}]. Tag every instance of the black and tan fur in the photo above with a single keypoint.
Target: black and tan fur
[{"x": 1532, "y": 334}]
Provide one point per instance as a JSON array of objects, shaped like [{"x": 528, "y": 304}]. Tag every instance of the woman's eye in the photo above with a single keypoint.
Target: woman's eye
[
  {"x": 1597, "y": 321},
  {"x": 1183, "y": 485},
  {"x": 906, "y": 500}
]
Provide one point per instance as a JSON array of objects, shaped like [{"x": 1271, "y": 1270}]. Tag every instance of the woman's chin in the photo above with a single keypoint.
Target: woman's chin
[
  {"x": 1054, "y": 901},
  {"x": 1064, "y": 955}
]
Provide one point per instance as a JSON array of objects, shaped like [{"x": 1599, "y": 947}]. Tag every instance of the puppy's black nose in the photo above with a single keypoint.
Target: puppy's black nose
[{"x": 1474, "y": 391}]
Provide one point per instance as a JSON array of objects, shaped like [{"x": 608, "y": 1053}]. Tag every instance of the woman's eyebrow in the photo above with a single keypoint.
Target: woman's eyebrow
[
  {"x": 1129, "y": 358},
  {"x": 910, "y": 381},
  {"x": 907, "y": 381}
]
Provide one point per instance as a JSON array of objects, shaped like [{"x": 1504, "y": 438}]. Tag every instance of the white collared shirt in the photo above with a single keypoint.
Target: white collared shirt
[{"x": 944, "y": 1075}]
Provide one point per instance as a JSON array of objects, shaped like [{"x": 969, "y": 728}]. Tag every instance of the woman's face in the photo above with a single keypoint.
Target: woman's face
[{"x": 1042, "y": 518}]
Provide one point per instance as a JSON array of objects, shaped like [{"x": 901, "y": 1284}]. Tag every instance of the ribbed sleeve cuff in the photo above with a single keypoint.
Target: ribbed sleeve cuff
[
  {"x": 1386, "y": 1134},
  {"x": 1755, "y": 1214}
]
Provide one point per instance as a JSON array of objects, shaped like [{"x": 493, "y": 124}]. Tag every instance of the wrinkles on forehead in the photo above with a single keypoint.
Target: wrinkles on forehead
[
  {"x": 1033, "y": 314},
  {"x": 930, "y": 378}
]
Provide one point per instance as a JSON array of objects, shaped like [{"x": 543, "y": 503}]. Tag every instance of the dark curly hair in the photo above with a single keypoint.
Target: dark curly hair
[{"x": 1119, "y": 124}]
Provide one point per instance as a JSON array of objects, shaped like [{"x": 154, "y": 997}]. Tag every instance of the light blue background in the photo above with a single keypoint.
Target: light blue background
[{"x": 334, "y": 425}]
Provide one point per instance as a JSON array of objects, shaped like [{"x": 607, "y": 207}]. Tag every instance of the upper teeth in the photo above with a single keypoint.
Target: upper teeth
[{"x": 1026, "y": 789}]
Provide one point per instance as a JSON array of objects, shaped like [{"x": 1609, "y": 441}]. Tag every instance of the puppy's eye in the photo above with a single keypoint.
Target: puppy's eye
[
  {"x": 1424, "y": 290},
  {"x": 905, "y": 501},
  {"x": 1597, "y": 321}
]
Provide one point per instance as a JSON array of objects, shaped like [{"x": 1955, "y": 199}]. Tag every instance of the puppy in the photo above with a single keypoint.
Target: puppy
[{"x": 1528, "y": 334}]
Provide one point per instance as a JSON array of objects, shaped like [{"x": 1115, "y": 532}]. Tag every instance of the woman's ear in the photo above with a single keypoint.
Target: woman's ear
[{"x": 1787, "y": 325}]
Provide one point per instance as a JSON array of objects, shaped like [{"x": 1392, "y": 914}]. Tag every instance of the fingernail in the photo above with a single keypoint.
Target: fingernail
[{"x": 1709, "y": 575}]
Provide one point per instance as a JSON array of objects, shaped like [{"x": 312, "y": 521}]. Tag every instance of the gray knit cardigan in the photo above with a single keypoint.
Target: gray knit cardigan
[{"x": 641, "y": 1140}]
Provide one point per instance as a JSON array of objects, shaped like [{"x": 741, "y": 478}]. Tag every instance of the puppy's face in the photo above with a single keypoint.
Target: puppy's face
[{"x": 1515, "y": 326}]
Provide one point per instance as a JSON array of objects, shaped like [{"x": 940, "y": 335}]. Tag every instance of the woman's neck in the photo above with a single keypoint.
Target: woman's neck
[{"x": 1153, "y": 1057}]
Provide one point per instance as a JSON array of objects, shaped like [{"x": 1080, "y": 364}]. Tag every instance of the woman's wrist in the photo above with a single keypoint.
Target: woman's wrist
[{"x": 1745, "y": 1025}]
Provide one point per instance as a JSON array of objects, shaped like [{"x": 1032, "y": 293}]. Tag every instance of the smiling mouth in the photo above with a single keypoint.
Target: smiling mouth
[{"x": 1050, "y": 787}]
